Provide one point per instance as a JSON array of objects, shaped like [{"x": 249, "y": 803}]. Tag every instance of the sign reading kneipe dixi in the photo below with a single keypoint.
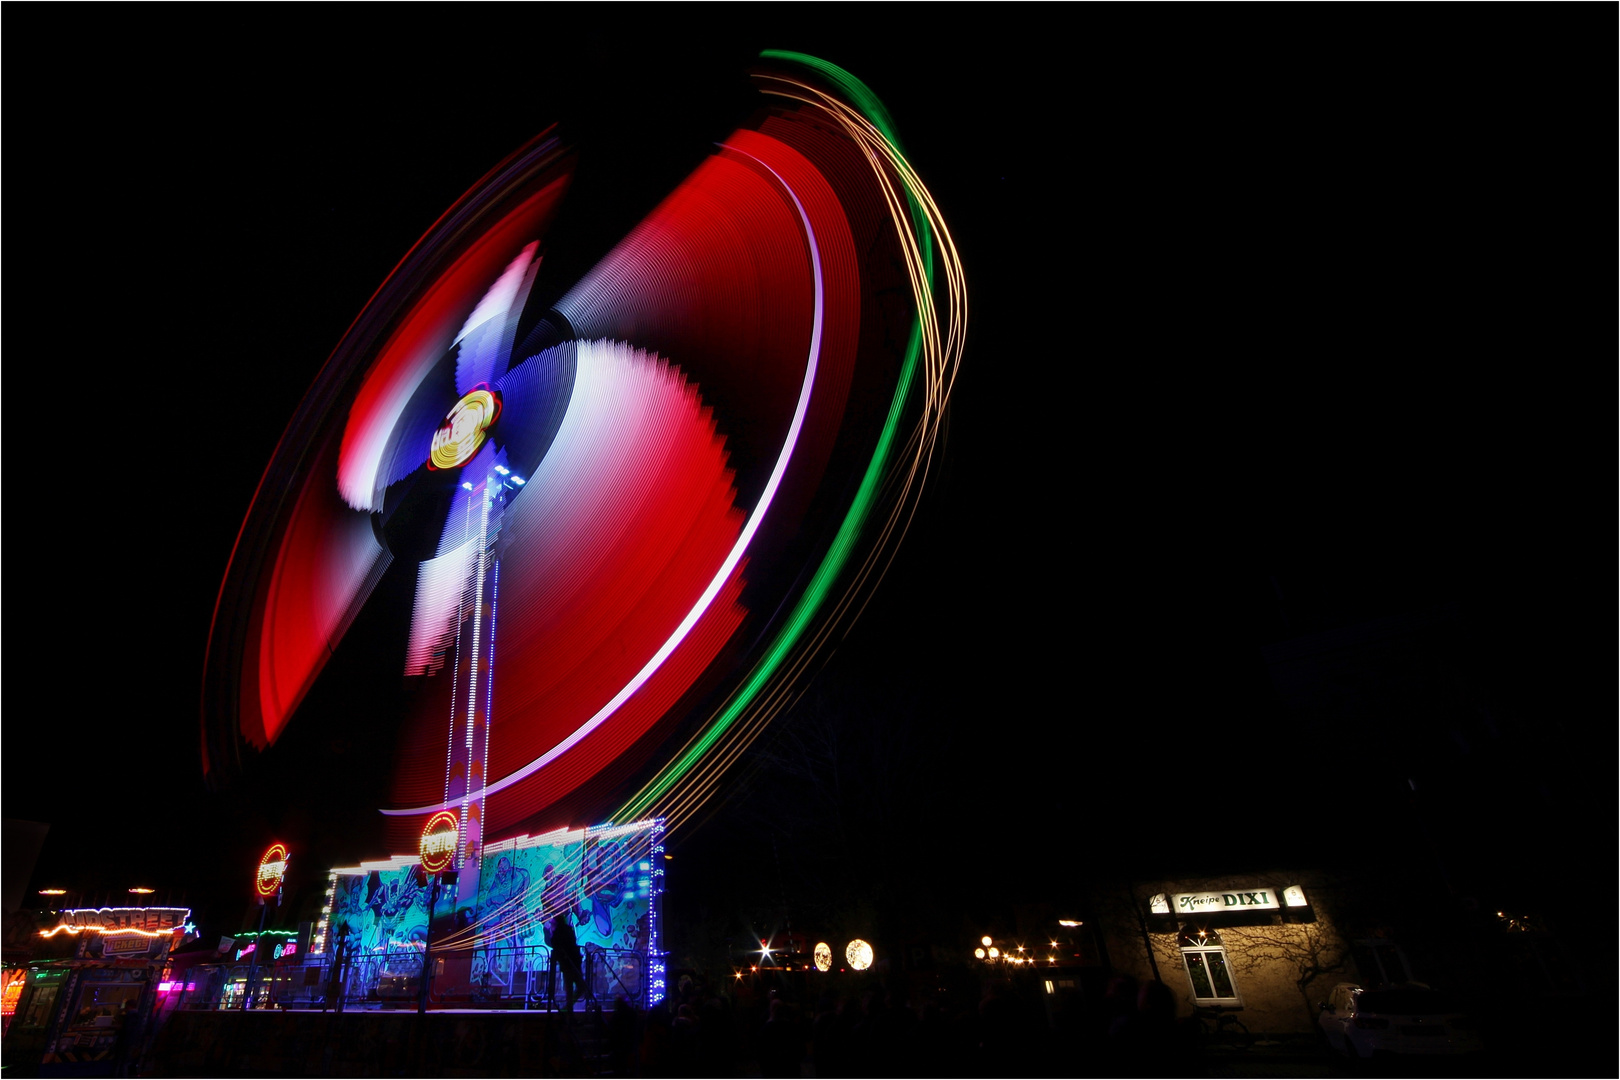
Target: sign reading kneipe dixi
[{"x": 1204, "y": 903}]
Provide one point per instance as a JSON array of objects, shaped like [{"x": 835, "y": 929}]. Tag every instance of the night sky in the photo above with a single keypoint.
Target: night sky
[{"x": 1276, "y": 324}]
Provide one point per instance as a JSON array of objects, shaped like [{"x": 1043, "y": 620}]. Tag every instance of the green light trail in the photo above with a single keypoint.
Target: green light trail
[
  {"x": 870, "y": 106},
  {"x": 843, "y": 544}
]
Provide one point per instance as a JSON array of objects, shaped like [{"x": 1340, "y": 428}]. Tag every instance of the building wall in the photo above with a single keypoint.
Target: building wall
[{"x": 1281, "y": 967}]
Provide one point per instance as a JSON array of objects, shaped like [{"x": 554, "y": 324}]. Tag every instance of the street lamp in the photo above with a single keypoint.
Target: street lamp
[
  {"x": 436, "y": 850},
  {"x": 266, "y": 883}
]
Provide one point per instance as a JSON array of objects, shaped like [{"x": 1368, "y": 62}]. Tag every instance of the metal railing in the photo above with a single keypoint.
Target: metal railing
[
  {"x": 528, "y": 977},
  {"x": 516, "y": 977}
]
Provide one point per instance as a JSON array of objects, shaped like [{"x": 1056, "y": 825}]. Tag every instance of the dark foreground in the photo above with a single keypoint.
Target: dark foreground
[{"x": 448, "y": 1043}]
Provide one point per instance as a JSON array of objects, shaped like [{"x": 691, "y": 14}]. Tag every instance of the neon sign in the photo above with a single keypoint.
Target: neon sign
[
  {"x": 438, "y": 844},
  {"x": 272, "y": 868},
  {"x": 151, "y": 922},
  {"x": 462, "y": 432}
]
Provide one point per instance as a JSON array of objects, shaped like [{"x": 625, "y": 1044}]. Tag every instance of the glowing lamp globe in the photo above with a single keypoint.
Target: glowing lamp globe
[
  {"x": 995, "y": 954},
  {"x": 823, "y": 956},
  {"x": 985, "y": 941},
  {"x": 859, "y": 955}
]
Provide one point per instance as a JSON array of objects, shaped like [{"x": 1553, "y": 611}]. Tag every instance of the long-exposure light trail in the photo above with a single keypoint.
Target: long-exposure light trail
[
  {"x": 726, "y": 567},
  {"x": 933, "y": 352},
  {"x": 940, "y": 361}
]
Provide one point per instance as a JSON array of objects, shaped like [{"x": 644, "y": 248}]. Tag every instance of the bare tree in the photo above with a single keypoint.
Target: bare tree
[{"x": 1307, "y": 950}]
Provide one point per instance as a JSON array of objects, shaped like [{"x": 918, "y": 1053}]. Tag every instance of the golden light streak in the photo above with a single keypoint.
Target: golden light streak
[
  {"x": 108, "y": 930},
  {"x": 941, "y": 354}
]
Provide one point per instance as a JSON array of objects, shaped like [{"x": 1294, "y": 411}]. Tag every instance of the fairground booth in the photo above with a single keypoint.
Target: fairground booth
[
  {"x": 492, "y": 931},
  {"x": 93, "y": 985}
]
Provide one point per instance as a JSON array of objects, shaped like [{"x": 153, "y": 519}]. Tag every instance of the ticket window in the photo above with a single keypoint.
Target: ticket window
[
  {"x": 1203, "y": 957},
  {"x": 102, "y": 1015},
  {"x": 106, "y": 1005}
]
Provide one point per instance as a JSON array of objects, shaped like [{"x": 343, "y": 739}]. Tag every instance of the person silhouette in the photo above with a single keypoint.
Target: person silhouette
[{"x": 565, "y": 957}]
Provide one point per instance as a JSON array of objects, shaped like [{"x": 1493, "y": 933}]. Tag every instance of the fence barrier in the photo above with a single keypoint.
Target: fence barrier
[{"x": 520, "y": 977}]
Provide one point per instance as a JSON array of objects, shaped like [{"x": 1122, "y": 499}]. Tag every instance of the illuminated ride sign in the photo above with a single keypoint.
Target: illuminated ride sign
[
  {"x": 272, "y": 868},
  {"x": 859, "y": 955},
  {"x": 144, "y": 922},
  {"x": 462, "y": 432},
  {"x": 438, "y": 844},
  {"x": 823, "y": 956}
]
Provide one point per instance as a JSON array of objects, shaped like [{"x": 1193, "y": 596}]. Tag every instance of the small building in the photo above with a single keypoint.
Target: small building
[
  {"x": 1263, "y": 945},
  {"x": 92, "y": 987},
  {"x": 218, "y": 976}
]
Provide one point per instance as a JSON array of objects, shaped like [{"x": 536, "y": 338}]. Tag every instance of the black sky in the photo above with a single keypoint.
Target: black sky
[{"x": 1279, "y": 320}]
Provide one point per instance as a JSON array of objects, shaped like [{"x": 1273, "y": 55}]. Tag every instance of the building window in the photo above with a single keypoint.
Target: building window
[
  {"x": 1204, "y": 958},
  {"x": 38, "y": 1013},
  {"x": 1381, "y": 962}
]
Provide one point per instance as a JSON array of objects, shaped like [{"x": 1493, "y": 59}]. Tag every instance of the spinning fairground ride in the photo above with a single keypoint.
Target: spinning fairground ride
[{"x": 625, "y": 513}]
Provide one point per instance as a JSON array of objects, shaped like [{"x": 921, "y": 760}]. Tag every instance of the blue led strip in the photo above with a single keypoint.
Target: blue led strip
[{"x": 657, "y": 979}]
